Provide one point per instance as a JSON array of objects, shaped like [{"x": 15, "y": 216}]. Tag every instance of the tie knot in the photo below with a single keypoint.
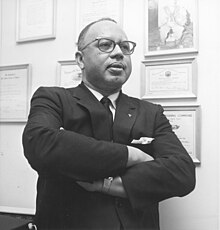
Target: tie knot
[{"x": 106, "y": 101}]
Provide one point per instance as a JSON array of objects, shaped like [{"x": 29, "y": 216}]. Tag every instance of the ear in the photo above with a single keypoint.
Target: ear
[{"x": 79, "y": 59}]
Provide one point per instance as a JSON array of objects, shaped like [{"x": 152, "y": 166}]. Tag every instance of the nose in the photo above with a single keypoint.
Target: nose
[{"x": 117, "y": 53}]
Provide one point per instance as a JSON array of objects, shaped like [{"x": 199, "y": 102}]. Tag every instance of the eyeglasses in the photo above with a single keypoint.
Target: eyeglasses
[{"x": 107, "y": 45}]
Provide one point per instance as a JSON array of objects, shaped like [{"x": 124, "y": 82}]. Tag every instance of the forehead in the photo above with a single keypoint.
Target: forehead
[{"x": 106, "y": 29}]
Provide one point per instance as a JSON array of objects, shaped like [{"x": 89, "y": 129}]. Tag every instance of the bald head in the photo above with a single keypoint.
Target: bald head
[{"x": 82, "y": 35}]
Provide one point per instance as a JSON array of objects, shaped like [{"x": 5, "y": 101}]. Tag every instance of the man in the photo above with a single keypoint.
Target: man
[{"x": 94, "y": 174}]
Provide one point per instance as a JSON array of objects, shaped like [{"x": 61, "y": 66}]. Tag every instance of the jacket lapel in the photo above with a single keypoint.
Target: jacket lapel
[
  {"x": 126, "y": 113},
  {"x": 97, "y": 112},
  {"x": 125, "y": 116}
]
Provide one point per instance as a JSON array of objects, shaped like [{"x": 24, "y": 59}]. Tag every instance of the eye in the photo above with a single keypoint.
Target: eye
[
  {"x": 105, "y": 44},
  {"x": 125, "y": 46}
]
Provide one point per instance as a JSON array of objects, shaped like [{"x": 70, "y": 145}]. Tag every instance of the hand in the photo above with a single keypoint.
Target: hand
[
  {"x": 136, "y": 156},
  {"x": 95, "y": 186},
  {"x": 116, "y": 189}
]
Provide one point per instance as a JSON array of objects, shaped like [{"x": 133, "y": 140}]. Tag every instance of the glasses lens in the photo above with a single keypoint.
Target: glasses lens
[
  {"x": 106, "y": 45},
  {"x": 127, "y": 47}
]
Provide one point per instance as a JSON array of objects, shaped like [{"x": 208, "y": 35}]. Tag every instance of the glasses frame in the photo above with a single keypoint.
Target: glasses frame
[{"x": 115, "y": 43}]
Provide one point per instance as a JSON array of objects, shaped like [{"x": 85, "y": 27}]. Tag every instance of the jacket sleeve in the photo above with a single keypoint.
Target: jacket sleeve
[
  {"x": 171, "y": 173},
  {"x": 51, "y": 150}
]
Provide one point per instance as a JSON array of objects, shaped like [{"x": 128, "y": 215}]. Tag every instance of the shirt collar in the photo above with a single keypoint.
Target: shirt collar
[{"x": 113, "y": 97}]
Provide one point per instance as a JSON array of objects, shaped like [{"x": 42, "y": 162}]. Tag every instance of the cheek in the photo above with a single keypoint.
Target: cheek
[
  {"x": 94, "y": 62},
  {"x": 92, "y": 66},
  {"x": 129, "y": 67}
]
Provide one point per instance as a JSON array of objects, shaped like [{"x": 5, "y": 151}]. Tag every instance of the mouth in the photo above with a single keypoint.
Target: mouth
[{"x": 116, "y": 65}]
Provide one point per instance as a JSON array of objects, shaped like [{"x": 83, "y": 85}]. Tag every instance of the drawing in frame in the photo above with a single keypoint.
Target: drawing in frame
[
  {"x": 68, "y": 74},
  {"x": 36, "y": 20},
  {"x": 171, "y": 26},
  {"x": 90, "y": 10},
  {"x": 15, "y": 82},
  {"x": 169, "y": 78},
  {"x": 185, "y": 122}
]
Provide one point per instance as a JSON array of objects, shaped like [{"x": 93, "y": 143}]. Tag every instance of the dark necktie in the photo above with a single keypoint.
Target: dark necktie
[{"x": 107, "y": 102}]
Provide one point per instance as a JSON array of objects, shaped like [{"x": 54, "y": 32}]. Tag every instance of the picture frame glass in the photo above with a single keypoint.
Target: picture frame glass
[
  {"x": 185, "y": 124},
  {"x": 171, "y": 26},
  {"x": 14, "y": 93},
  {"x": 169, "y": 78},
  {"x": 69, "y": 74},
  {"x": 91, "y": 10},
  {"x": 35, "y": 20}
]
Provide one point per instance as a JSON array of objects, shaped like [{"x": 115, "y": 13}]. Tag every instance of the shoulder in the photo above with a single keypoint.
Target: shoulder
[
  {"x": 51, "y": 92},
  {"x": 52, "y": 95},
  {"x": 143, "y": 104},
  {"x": 152, "y": 112}
]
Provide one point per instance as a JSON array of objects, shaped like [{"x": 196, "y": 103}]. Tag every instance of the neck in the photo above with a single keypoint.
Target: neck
[{"x": 104, "y": 92}]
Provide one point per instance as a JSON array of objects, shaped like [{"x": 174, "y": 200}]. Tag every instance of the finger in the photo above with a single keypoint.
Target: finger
[{"x": 87, "y": 186}]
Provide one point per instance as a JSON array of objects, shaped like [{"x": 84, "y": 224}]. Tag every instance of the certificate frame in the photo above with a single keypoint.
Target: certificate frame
[
  {"x": 15, "y": 82},
  {"x": 36, "y": 20},
  {"x": 171, "y": 27},
  {"x": 186, "y": 124},
  {"x": 68, "y": 74},
  {"x": 88, "y": 11},
  {"x": 169, "y": 78}
]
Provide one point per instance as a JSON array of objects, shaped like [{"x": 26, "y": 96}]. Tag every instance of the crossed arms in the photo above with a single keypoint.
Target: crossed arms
[
  {"x": 116, "y": 187},
  {"x": 136, "y": 175}
]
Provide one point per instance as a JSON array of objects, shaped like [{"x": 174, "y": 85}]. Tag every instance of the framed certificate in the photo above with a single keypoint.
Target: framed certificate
[
  {"x": 91, "y": 10},
  {"x": 35, "y": 20},
  {"x": 171, "y": 26},
  {"x": 185, "y": 122},
  {"x": 68, "y": 74},
  {"x": 170, "y": 78},
  {"x": 14, "y": 93}
]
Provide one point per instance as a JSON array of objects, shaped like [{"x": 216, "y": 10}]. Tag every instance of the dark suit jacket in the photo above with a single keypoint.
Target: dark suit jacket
[{"x": 82, "y": 151}]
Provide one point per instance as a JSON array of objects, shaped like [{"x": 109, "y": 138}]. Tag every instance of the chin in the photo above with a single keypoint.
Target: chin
[{"x": 118, "y": 78}]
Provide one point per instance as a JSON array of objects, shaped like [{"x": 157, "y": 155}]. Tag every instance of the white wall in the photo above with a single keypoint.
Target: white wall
[{"x": 197, "y": 211}]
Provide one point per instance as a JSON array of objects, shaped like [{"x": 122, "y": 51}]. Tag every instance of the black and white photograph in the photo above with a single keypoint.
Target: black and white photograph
[{"x": 109, "y": 115}]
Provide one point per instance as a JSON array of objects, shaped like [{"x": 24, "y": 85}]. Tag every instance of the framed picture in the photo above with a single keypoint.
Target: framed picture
[
  {"x": 91, "y": 10},
  {"x": 170, "y": 78},
  {"x": 14, "y": 92},
  {"x": 35, "y": 20},
  {"x": 1, "y": 18},
  {"x": 185, "y": 122},
  {"x": 171, "y": 26},
  {"x": 69, "y": 74}
]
